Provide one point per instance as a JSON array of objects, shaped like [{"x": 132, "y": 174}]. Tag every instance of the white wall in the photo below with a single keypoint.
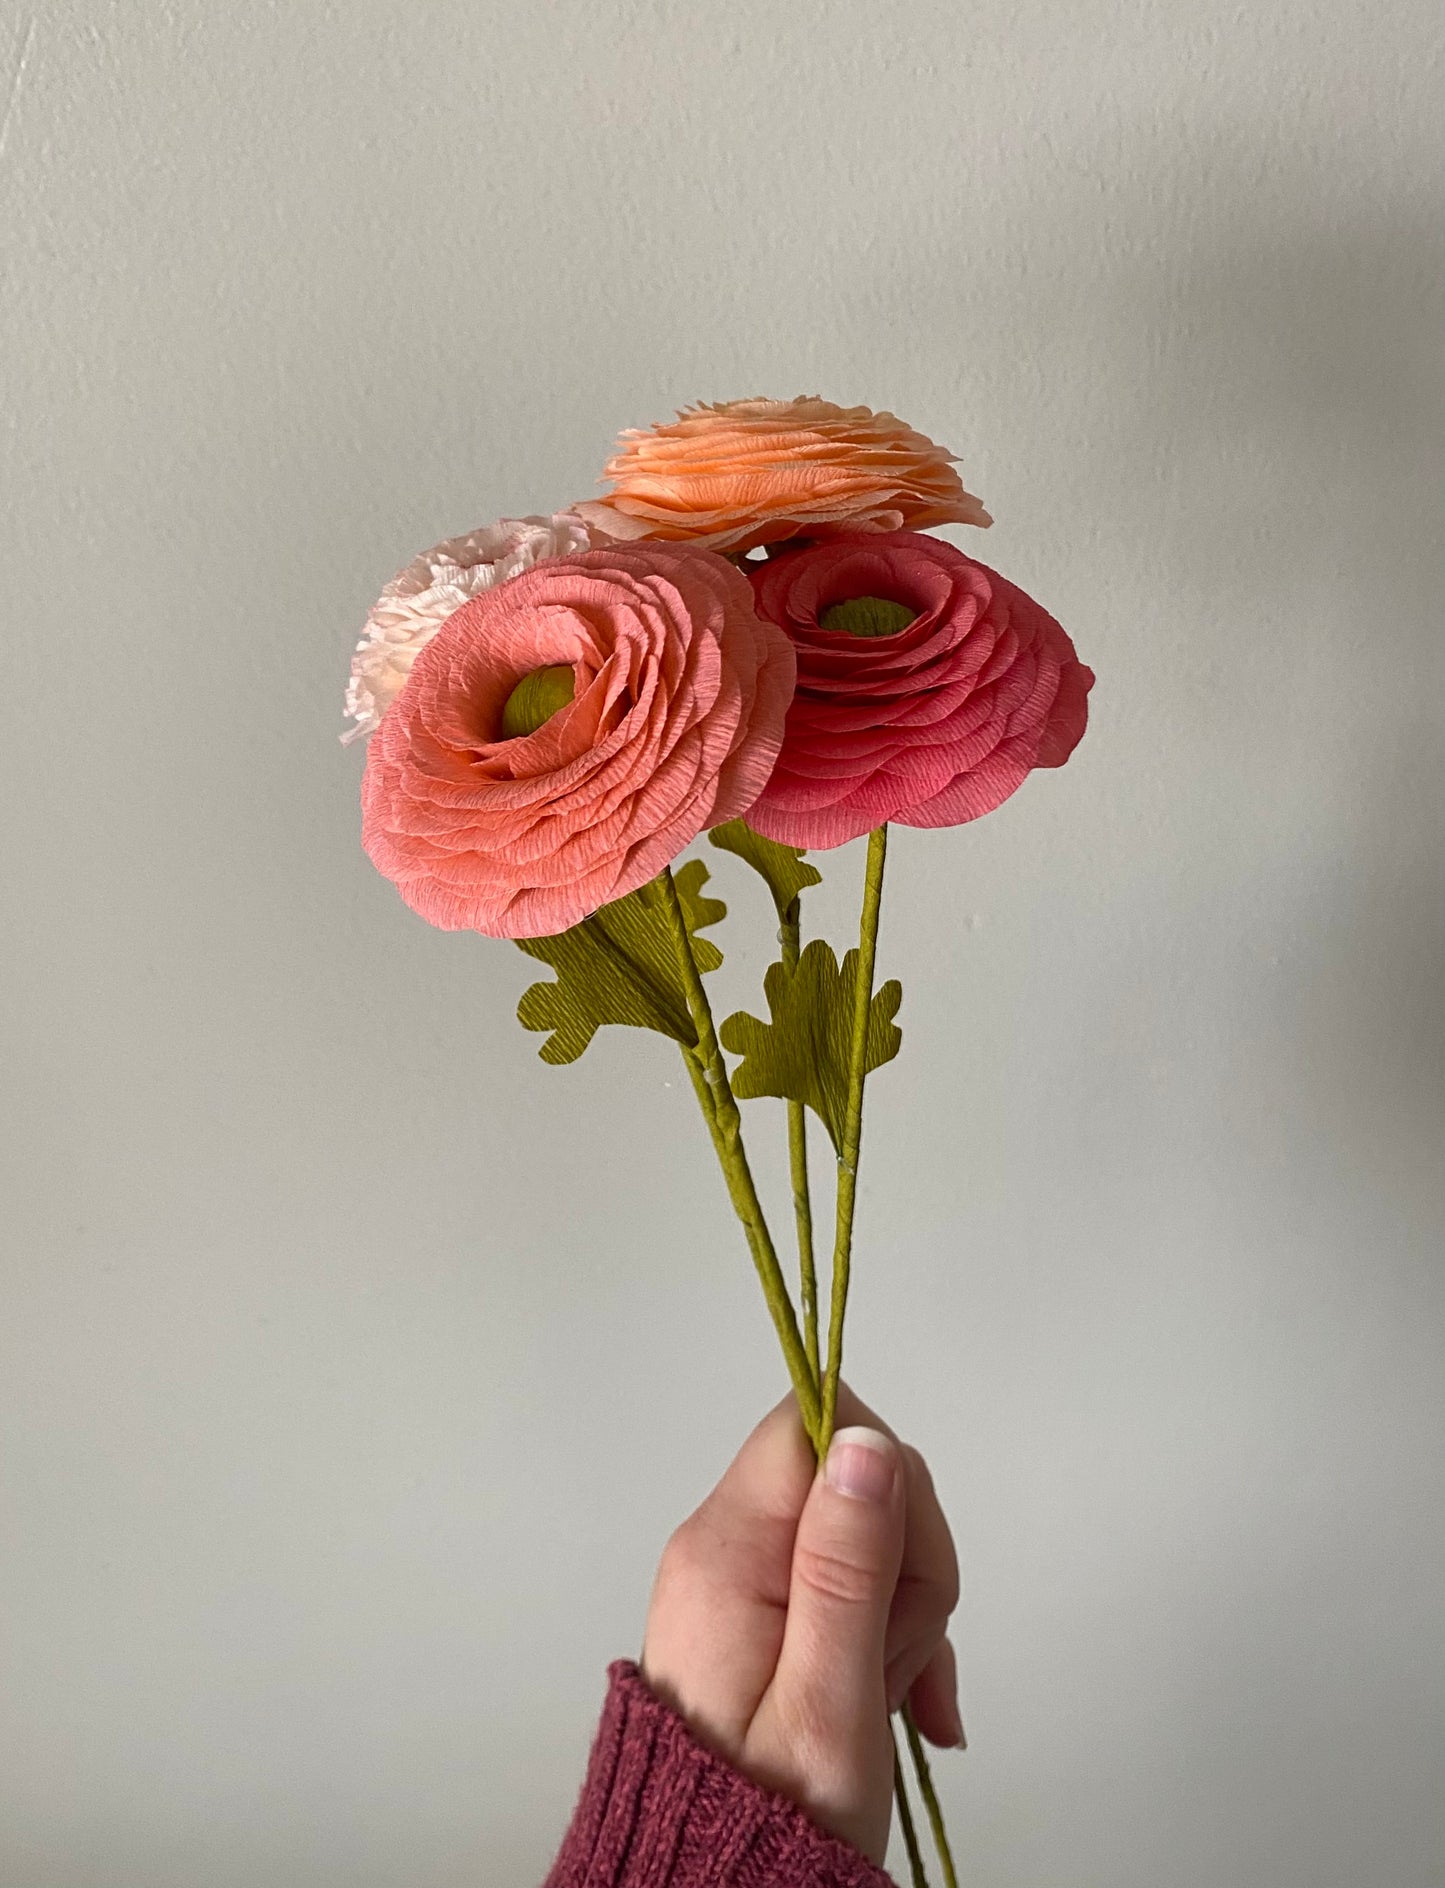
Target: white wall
[{"x": 355, "y": 1365}]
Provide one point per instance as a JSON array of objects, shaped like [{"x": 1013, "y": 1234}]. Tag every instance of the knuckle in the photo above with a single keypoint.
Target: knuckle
[
  {"x": 832, "y": 1575},
  {"x": 945, "y": 1586},
  {"x": 918, "y": 1469},
  {"x": 933, "y": 1597},
  {"x": 942, "y": 1578},
  {"x": 682, "y": 1557}
]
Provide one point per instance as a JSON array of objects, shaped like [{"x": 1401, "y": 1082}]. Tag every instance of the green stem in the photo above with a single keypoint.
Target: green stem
[
  {"x": 852, "y": 1124},
  {"x": 917, "y": 1873},
  {"x": 842, "y": 1262},
  {"x": 930, "y": 1799},
  {"x": 708, "y": 1074},
  {"x": 790, "y": 938},
  {"x": 720, "y": 1109}
]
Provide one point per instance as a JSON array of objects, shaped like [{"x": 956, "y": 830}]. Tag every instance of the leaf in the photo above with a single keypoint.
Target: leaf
[
  {"x": 620, "y": 966},
  {"x": 781, "y": 866},
  {"x": 802, "y": 1054}
]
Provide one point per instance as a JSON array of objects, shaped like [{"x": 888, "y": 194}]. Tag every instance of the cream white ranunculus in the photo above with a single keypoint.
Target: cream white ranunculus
[{"x": 435, "y": 585}]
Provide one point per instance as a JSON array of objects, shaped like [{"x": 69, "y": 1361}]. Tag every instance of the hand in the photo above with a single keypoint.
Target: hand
[{"x": 795, "y": 1609}]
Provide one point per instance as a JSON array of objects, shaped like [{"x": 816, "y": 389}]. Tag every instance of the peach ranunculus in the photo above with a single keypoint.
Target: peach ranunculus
[
  {"x": 564, "y": 735},
  {"x": 929, "y": 688},
  {"x": 418, "y": 600},
  {"x": 747, "y": 472}
]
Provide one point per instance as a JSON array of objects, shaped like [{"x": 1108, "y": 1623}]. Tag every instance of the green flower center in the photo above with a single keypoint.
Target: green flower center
[
  {"x": 535, "y": 699},
  {"x": 867, "y": 616}
]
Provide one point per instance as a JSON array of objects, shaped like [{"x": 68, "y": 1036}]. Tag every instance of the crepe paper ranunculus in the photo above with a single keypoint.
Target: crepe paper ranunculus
[
  {"x": 564, "y": 735},
  {"x": 747, "y": 472},
  {"x": 559, "y": 706},
  {"x": 929, "y": 687},
  {"x": 418, "y": 600}
]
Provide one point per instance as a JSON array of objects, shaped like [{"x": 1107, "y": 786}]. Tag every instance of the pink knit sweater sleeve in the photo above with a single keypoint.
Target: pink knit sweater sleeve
[{"x": 658, "y": 1810}]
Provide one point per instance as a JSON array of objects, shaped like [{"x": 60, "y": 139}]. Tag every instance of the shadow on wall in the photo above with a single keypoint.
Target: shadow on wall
[
  {"x": 1319, "y": 350},
  {"x": 1271, "y": 401},
  {"x": 1318, "y": 356},
  {"x": 1265, "y": 1039}
]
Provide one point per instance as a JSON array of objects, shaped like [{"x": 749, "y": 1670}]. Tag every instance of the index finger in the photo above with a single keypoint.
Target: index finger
[{"x": 928, "y": 1584}]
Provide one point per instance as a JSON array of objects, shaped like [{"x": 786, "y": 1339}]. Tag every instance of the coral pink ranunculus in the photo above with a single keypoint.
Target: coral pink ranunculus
[
  {"x": 929, "y": 721},
  {"x": 747, "y": 472},
  {"x": 669, "y": 722}
]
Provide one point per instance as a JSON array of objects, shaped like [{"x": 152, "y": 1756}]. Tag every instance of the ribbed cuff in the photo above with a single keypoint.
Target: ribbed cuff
[{"x": 659, "y": 1810}]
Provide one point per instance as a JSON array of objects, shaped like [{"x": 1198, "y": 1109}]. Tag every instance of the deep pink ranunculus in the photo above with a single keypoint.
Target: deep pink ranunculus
[
  {"x": 563, "y": 736},
  {"x": 928, "y": 724}
]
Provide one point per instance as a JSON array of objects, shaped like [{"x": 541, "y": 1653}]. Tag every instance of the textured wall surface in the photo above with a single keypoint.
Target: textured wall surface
[{"x": 355, "y": 1366}]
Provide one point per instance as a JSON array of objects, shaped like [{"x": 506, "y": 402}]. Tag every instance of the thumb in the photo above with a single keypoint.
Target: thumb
[{"x": 846, "y": 1558}]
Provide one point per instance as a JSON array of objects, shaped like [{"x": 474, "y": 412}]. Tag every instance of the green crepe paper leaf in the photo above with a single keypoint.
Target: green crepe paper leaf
[
  {"x": 781, "y": 866},
  {"x": 620, "y": 966},
  {"x": 802, "y": 1055}
]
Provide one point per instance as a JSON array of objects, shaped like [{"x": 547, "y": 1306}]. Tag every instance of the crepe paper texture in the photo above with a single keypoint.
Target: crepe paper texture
[
  {"x": 621, "y": 966},
  {"x": 679, "y": 696},
  {"x": 741, "y": 473},
  {"x": 435, "y": 585},
  {"x": 781, "y": 867},
  {"x": 803, "y": 1053},
  {"x": 536, "y": 698},
  {"x": 753, "y": 637},
  {"x": 866, "y": 616},
  {"x": 932, "y": 725},
  {"x": 787, "y": 877}
]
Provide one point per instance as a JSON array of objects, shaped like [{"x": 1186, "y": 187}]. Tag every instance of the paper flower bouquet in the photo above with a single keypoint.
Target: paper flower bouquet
[{"x": 752, "y": 637}]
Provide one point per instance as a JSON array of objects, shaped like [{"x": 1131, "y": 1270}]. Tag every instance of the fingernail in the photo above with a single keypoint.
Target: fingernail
[
  {"x": 960, "y": 1742},
  {"x": 861, "y": 1463}
]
